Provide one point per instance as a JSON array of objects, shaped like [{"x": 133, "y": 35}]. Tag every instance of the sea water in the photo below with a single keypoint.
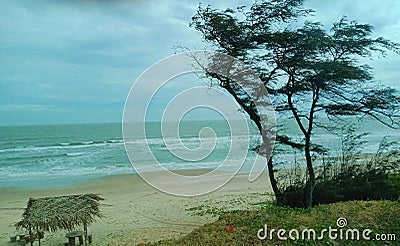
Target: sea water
[{"x": 47, "y": 156}]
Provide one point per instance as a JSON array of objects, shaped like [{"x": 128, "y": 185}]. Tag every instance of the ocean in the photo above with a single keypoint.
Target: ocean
[{"x": 50, "y": 156}]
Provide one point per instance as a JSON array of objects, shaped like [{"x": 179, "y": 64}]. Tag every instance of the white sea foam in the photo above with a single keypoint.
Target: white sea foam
[{"x": 62, "y": 154}]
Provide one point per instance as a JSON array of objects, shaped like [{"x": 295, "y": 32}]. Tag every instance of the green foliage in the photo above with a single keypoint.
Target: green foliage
[
  {"x": 359, "y": 215},
  {"x": 308, "y": 70},
  {"x": 355, "y": 177}
]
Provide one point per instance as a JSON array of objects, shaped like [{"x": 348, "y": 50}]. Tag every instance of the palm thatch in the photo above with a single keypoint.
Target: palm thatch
[{"x": 60, "y": 212}]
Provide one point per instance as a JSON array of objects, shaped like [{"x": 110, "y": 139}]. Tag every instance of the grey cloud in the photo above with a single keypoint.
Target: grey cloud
[{"x": 70, "y": 52}]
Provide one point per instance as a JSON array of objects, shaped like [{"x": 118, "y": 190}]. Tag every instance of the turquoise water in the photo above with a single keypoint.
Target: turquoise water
[
  {"x": 62, "y": 155},
  {"x": 41, "y": 156}
]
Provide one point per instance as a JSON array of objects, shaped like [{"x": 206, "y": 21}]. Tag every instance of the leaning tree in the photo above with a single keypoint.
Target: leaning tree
[{"x": 309, "y": 72}]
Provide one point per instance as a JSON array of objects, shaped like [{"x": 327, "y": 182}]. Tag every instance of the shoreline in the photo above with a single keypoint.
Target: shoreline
[
  {"x": 36, "y": 183},
  {"x": 88, "y": 179},
  {"x": 134, "y": 212}
]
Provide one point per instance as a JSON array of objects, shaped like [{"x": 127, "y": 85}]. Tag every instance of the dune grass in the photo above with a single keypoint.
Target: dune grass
[{"x": 381, "y": 217}]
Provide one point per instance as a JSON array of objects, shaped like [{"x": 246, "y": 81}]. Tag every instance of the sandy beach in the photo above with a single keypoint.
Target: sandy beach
[{"x": 133, "y": 211}]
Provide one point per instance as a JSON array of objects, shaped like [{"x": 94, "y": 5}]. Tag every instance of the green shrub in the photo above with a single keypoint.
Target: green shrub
[{"x": 357, "y": 184}]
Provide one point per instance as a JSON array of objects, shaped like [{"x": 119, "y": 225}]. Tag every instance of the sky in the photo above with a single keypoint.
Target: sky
[{"x": 75, "y": 61}]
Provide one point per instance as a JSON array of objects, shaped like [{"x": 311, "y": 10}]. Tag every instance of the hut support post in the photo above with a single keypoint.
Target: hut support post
[
  {"x": 30, "y": 235},
  {"x": 85, "y": 233}
]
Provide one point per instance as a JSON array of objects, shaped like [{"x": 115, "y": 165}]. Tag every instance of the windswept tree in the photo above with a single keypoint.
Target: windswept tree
[{"x": 309, "y": 72}]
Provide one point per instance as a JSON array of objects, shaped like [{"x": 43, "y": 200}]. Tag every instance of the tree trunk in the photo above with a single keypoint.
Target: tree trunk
[
  {"x": 257, "y": 120},
  {"x": 274, "y": 183},
  {"x": 310, "y": 185}
]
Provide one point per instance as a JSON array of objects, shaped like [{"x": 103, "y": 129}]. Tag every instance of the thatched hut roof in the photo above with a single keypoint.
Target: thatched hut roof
[{"x": 60, "y": 212}]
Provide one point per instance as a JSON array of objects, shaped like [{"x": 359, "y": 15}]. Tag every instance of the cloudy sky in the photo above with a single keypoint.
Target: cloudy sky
[{"x": 75, "y": 61}]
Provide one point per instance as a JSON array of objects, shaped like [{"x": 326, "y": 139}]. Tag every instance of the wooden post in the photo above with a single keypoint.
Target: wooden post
[
  {"x": 85, "y": 233},
  {"x": 71, "y": 241},
  {"x": 30, "y": 235},
  {"x": 80, "y": 240},
  {"x": 40, "y": 235}
]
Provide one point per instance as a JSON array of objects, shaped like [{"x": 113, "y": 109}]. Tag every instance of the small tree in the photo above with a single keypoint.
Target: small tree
[{"x": 310, "y": 72}]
